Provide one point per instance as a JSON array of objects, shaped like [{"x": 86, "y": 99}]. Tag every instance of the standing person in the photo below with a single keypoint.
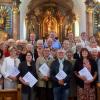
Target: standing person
[
  {"x": 98, "y": 63},
  {"x": 85, "y": 88},
  {"x": 49, "y": 43},
  {"x": 22, "y": 54},
  {"x": 60, "y": 87},
  {"x": 55, "y": 42},
  {"x": 27, "y": 66},
  {"x": 95, "y": 56},
  {"x": 10, "y": 81},
  {"x": 32, "y": 38},
  {"x": 1, "y": 62},
  {"x": 84, "y": 39},
  {"x": 78, "y": 49},
  {"x": 66, "y": 45},
  {"x": 53, "y": 53},
  {"x": 6, "y": 49},
  {"x": 93, "y": 44},
  {"x": 1, "y": 46},
  {"x": 29, "y": 47},
  {"x": 71, "y": 39},
  {"x": 40, "y": 47},
  {"x": 44, "y": 83},
  {"x": 11, "y": 42},
  {"x": 73, "y": 87}
]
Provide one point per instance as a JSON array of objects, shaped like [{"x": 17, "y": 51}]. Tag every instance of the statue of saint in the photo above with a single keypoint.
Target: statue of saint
[
  {"x": 2, "y": 21},
  {"x": 49, "y": 25}
]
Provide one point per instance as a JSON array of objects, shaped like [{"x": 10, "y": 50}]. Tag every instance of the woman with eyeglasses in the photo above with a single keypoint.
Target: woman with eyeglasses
[{"x": 28, "y": 65}]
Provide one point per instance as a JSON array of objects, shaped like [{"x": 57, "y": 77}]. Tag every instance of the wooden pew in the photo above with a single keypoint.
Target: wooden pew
[
  {"x": 11, "y": 94},
  {"x": 98, "y": 91}
]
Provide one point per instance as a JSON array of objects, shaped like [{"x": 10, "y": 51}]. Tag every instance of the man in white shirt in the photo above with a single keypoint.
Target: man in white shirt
[
  {"x": 61, "y": 64},
  {"x": 84, "y": 39}
]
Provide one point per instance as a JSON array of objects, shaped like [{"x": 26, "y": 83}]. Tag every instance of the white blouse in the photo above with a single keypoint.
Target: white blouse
[{"x": 8, "y": 65}]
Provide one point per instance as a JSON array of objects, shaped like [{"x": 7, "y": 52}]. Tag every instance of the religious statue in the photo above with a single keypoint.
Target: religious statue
[
  {"x": 49, "y": 24},
  {"x": 2, "y": 23},
  {"x": 3, "y": 36}
]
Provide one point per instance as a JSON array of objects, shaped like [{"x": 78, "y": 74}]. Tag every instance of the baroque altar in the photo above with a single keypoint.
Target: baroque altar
[{"x": 50, "y": 17}]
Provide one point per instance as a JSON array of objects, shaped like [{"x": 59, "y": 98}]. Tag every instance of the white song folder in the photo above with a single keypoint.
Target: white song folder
[
  {"x": 61, "y": 75},
  {"x": 30, "y": 79},
  {"x": 44, "y": 69},
  {"x": 85, "y": 72},
  {"x": 14, "y": 72}
]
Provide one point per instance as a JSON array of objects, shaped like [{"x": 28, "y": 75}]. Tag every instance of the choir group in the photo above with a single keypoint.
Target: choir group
[{"x": 64, "y": 71}]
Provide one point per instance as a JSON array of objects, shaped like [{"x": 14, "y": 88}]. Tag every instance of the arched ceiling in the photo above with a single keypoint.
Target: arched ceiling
[
  {"x": 78, "y": 7},
  {"x": 67, "y": 4}
]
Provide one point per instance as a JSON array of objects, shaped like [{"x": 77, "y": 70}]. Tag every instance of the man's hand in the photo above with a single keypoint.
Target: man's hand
[
  {"x": 61, "y": 82},
  {"x": 46, "y": 78}
]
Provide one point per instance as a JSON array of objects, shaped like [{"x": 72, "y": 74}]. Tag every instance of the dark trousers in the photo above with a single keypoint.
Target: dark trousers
[
  {"x": 60, "y": 93},
  {"x": 45, "y": 93},
  {"x": 31, "y": 95}
]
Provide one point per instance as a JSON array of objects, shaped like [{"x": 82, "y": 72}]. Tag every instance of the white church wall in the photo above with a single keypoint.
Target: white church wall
[
  {"x": 23, "y": 11},
  {"x": 80, "y": 11}
]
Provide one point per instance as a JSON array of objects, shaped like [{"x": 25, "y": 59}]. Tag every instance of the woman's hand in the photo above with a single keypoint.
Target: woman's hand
[
  {"x": 23, "y": 82},
  {"x": 88, "y": 81},
  {"x": 82, "y": 78},
  {"x": 79, "y": 76},
  {"x": 12, "y": 78}
]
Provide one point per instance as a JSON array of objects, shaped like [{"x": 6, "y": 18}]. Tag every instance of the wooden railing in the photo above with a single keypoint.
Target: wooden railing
[
  {"x": 11, "y": 94},
  {"x": 98, "y": 91}
]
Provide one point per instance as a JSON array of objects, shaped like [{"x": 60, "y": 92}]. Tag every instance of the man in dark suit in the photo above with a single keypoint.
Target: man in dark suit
[
  {"x": 32, "y": 41},
  {"x": 61, "y": 86},
  {"x": 77, "y": 53}
]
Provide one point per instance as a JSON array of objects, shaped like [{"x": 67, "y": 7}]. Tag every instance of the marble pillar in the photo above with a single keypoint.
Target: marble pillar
[{"x": 89, "y": 17}]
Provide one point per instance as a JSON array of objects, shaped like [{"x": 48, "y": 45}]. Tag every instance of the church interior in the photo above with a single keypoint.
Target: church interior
[
  {"x": 52, "y": 30},
  {"x": 19, "y": 17}
]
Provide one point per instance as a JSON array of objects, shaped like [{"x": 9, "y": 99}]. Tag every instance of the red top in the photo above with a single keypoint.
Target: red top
[{"x": 6, "y": 53}]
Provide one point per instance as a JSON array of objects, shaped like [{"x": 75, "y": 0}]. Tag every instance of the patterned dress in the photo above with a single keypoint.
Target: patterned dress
[{"x": 86, "y": 93}]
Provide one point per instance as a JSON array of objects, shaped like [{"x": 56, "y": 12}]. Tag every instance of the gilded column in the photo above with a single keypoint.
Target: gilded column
[
  {"x": 60, "y": 31},
  {"x": 89, "y": 15},
  {"x": 16, "y": 21},
  {"x": 61, "y": 26},
  {"x": 39, "y": 30}
]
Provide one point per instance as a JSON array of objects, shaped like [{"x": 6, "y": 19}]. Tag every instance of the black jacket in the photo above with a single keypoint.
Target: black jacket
[
  {"x": 79, "y": 65},
  {"x": 55, "y": 69},
  {"x": 76, "y": 56},
  {"x": 23, "y": 68}
]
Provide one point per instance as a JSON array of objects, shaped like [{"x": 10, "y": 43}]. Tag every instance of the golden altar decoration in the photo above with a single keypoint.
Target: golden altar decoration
[{"x": 3, "y": 36}]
